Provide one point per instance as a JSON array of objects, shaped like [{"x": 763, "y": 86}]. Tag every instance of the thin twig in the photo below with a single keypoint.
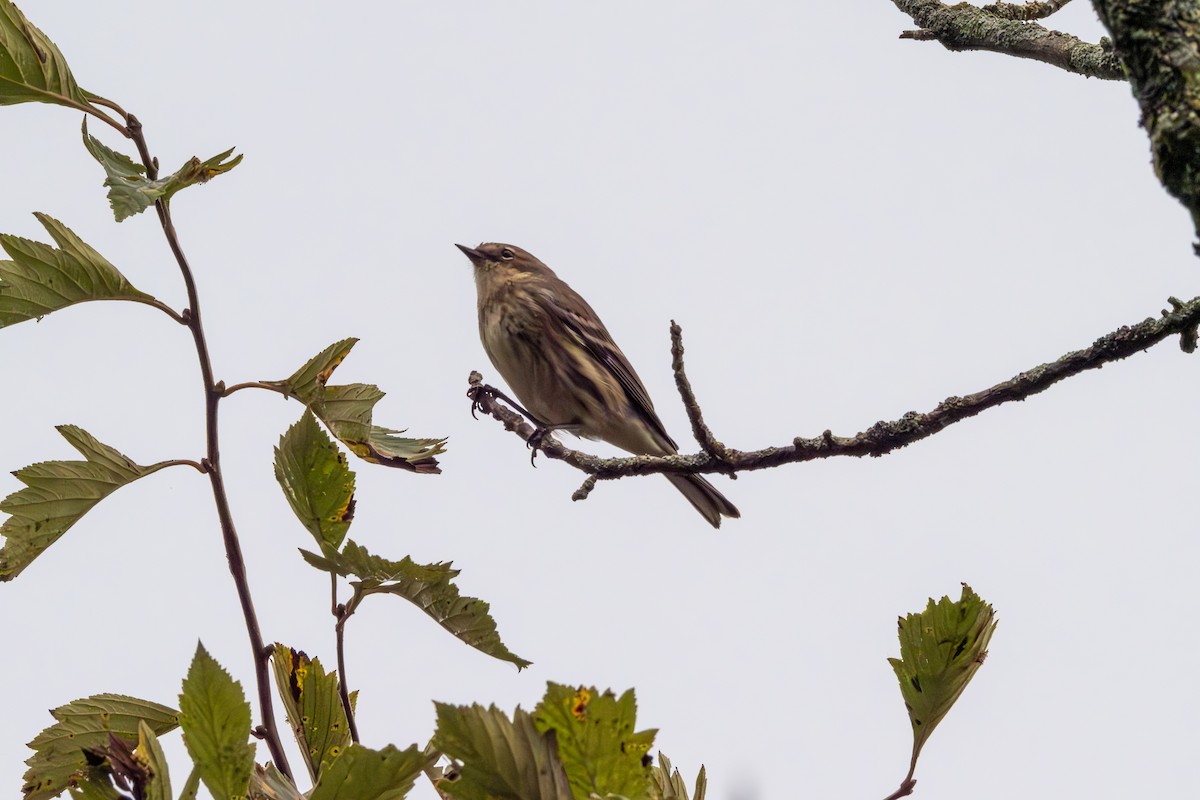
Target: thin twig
[
  {"x": 341, "y": 614},
  {"x": 700, "y": 430},
  {"x": 212, "y": 463},
  {"x": 967, "y": 27},
  {"x": 882, "y": 437}
]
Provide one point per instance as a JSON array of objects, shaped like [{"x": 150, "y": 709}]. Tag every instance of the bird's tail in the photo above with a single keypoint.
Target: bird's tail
[{"x": 711, "y": 504}]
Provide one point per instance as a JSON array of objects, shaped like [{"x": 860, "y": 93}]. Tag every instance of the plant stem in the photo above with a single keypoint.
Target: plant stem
[
  {"x": 212, "y": 463},
  {"x": 341, "y": 613}
]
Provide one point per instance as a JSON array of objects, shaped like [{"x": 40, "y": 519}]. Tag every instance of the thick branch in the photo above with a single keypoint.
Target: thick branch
[
  {"x": 967, "y": 27},
  {"x": 1159, "y": 43},
  {"x": 882, "y": 437}
]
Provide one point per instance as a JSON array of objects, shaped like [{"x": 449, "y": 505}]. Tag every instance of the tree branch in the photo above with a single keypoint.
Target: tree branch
[
  {"x": 708, "y": 442},
  {"x": 1025, "y": 11},
  {"x": 1000, "y": 29},
  {"x": 882, "y": 437},
  {"x": 1157, "y": 42}
]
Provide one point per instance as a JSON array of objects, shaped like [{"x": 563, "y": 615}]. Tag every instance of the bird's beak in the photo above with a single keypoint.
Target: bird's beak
[{"x": 471, "y": 253}]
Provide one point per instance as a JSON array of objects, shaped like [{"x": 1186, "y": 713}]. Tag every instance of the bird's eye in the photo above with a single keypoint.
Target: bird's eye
[{"x": 507, "y": 255}]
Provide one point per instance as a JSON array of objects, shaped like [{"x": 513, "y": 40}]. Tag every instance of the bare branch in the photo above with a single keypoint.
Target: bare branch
[
  {"x": 708, "y": 442},
  {"x": 967, "y": 27},
  {"x": 882, "y": 437}
]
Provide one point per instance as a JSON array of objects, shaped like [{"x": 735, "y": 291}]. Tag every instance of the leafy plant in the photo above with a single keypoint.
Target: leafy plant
[{"x": 579, "y": 742}]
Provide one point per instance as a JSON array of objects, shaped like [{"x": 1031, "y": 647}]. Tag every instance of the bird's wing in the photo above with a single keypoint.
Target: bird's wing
[{"x": 590, "y": 332}]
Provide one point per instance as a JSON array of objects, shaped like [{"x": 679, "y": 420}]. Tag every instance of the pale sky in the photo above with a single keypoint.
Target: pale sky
[{"x": 847, "y": 226}]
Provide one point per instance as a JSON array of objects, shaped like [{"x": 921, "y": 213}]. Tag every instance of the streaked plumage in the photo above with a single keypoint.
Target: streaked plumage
[{"x": 557, "y": 356}]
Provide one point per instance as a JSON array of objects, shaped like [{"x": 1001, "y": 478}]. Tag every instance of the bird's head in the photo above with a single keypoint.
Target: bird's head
[{"x": 501, "y": 258}]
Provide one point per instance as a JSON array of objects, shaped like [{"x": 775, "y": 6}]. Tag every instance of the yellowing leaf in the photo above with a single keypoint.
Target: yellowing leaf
[
  {"x": 597, "y": 744},
  {"x": 313, "y": 706},
  {"x": 347, "y": 412},
  {"x": 131, "y": 192},
  {"x": 316, "y": 482},
  {"x": 82, "y": 725}
]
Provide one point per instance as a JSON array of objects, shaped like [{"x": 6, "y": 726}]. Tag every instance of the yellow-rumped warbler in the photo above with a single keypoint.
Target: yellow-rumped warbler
[{"x": 559, "y": 359}]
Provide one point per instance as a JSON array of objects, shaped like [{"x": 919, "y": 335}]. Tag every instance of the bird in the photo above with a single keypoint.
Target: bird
[{"x": 560, "y": 360}]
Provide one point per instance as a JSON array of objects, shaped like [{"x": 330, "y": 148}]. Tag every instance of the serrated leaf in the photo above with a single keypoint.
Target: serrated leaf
[
  {"x": 83, "y": 725},
  {"x": 215, "y": 718},
  {"x": 347, "y": 413},
  {"x": 668, "y": 784},
  {"x": 41, "y": 278},
  {"x": 501, "y": 759},
  {"x": 365, "y": 774},
  {"x": 316, "y": 482},
  {"x": 941, "y": 648},
  {"x": 32, "y": 69},
  {"x": 131, "y": 192},
  {"x": 596, "y": 741},
  {"x": 314, "y": 708},
  {"x": 427, "y": 586},
  {"x": 57, "y": 494}
]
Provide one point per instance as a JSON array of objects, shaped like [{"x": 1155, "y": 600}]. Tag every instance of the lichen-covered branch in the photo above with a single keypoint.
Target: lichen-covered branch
[
  {"x": 879, "y": 439},
  {"x": 1039, "y": 9},
  {"x": 967, "y": 27},
  {"x": 1159, "y": 43}
]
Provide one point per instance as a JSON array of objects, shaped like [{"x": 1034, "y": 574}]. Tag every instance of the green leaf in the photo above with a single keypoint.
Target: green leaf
[
  {"x": 427, "y": 586},
  {"x": 268, "y": 783},
  {"x": 57, "y": 494},
  {"x": 131, "y": 192},
  {"x": 150, "y": 753},
  {"x": 313, "y": 706},
  {"x": 31, "y": 67},
  {"x": 215, "y": 718},
  {"x": 596, "y": 742},
  {"x": 316, "y": 481},
  {"x": 84, "y": 725},
  {"x": 347, "y": 412},
  {"x": 501, "y": 759},
  {"x": 191, "y": 786},
  {"x": 41, "y": 278},
  {"x": 940, "y": 650},
  {"x": 94, "y": 783},
  {"x": 365, "y": 774},
  {"x": 669, "y": 785}
]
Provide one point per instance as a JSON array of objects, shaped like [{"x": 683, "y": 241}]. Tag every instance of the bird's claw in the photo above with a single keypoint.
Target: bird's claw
[{"x": 534, "y": 443}]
